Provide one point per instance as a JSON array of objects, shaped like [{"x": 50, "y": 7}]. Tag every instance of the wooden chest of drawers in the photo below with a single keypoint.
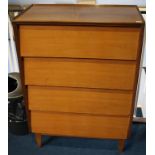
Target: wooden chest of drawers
[{"x": 79, "y": 66}]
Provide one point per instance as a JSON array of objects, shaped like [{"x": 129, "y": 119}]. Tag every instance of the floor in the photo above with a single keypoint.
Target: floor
[{"x": 25, "y": 145}]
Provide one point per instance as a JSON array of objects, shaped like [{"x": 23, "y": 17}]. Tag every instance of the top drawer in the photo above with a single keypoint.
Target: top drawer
[{"x": 79, "y": 42}]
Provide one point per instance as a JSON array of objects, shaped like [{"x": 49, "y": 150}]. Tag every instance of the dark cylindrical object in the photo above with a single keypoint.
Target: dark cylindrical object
[{"x": 16, "y": 107}]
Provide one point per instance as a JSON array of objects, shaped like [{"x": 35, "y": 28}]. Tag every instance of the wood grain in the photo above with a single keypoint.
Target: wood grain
[
  {"x": 137, "y": 75},
  {"x": 102, "y": 102},
  {"x": 79, "y": 42},
  {"x": 81, "y": 14},
  {"x": 79, "y": 73},
  {"x": 79, "y": 125}
]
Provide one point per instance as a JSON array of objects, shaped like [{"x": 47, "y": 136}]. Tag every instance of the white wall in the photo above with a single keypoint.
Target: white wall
[
  {"x": 142, "y": 93},
  {"x": 141, "y": 102},
  {"x": 12, "y": 56},
  {"x": 127, "y": 2},
  {"x": 123, "y": 2},
  {"x": 23, "y": 2}
]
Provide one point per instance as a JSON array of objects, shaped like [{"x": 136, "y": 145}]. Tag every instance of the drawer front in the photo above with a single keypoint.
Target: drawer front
[
  {"x": 79, "y": 100},
  {"x": 79, "y": 42},
  {"x": 79, "y": 125},
  {"x": 79, "y": 73}
]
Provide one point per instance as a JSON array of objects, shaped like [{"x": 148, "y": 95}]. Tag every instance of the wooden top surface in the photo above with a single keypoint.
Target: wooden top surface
[{"x": 81, "y": 14}]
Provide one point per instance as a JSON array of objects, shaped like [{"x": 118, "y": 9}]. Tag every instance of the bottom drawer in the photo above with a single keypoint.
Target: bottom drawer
[{"x": 77, "y": 125}]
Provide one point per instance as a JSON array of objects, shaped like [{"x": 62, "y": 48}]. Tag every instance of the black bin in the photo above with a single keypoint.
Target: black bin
[{"x": 16, "y": 107}]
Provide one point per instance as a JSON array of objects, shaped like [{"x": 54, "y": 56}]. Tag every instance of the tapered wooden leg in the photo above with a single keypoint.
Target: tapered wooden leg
[
  {"x": 121, "y": 144},
  {"x": 38, "y": 139}
]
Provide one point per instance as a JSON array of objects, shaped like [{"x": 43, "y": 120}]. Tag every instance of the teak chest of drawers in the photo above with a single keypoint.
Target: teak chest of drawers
[{"x": 79, "y": 66}]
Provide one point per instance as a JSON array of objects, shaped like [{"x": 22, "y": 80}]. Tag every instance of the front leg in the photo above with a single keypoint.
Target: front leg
[
  {"x": 38, "y": 138},
  {"x": 121, "y": 144}
]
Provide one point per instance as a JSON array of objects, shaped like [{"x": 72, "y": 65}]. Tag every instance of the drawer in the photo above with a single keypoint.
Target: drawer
[
  {"x": 79, "y": 125},
  {"x": 73, "y": 100},
  {"x": 79, "y": 42},
  {"x": 80, "y": 73}
]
